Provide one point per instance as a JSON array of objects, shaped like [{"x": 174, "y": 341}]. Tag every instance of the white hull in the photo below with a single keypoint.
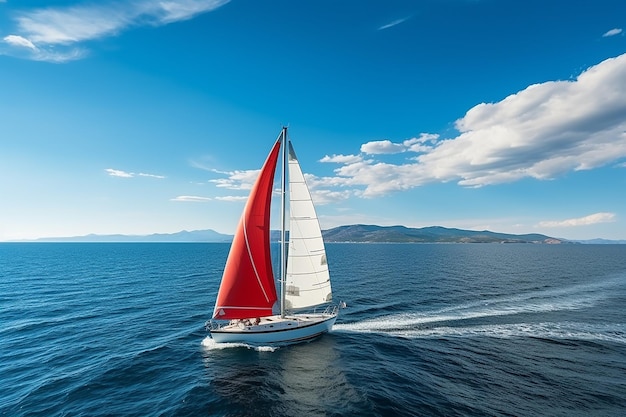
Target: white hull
[{"x": 275, "y": 329}]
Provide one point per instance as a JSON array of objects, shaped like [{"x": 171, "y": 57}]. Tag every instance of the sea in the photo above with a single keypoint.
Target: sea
[{"x": 117, "y": 329}]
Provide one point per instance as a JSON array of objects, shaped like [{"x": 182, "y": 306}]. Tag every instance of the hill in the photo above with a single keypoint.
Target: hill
[
  {"x": 601, "y": 242},
  {"x": 183, "y": 236},
  {"x": 433, "y": 234},
  {"x": 358, "y": 233}
]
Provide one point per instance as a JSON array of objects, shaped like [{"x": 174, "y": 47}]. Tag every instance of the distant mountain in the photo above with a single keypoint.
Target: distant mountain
[
  {"x": 358, "y": 233},
  {"x": 601, "y": 242},
  {"x": 433, "y": 234},
  {"x": 184, "y": 236}
]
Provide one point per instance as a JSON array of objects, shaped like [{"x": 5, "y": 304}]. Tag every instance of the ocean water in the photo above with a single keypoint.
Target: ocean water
[{"x": 430, "y": 330}]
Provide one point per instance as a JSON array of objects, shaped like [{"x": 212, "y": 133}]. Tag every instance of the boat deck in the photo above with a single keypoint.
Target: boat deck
[{"x": 269, "y": 324}]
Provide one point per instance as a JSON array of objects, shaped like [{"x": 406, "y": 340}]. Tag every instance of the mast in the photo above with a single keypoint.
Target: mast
[{"x": 283, "y": 201}]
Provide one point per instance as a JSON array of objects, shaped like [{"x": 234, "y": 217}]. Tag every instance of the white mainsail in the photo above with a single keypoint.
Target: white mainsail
[{"x": 307, "y": 280}]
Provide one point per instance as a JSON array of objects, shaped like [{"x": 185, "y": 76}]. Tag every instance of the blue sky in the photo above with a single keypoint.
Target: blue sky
[{"x": 141, "y": 117}]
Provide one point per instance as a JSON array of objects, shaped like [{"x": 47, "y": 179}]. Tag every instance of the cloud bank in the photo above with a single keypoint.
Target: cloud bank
[
  {"x": 57, "y": 34},
  {"x": 541, "y": 132}
]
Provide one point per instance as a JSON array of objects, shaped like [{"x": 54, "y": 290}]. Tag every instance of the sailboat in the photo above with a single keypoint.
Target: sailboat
[{"x": 249, "y": 307}]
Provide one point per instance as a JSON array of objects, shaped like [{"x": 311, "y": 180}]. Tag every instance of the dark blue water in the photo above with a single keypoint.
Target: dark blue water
[{"x": 430, "y": 330}]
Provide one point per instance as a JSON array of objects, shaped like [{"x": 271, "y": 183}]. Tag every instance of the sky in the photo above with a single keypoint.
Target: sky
[{"x": 140, "y": 117}]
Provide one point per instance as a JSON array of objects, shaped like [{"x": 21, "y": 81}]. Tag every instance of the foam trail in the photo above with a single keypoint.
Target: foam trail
[
  {"x": 565, "y": 299},
  {"x": 209, "y": 344},
  {"x": 410, "y": 320},
  {"x": 547, "y": 330}
]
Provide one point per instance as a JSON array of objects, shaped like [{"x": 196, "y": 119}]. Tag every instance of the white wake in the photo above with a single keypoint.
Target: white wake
[
  {"x": 209, "y": 344},
  {"x": 460, "y": 320}
]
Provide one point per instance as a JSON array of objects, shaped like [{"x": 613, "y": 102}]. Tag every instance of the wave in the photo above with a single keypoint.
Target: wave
[{"x": 209, "y": 344}]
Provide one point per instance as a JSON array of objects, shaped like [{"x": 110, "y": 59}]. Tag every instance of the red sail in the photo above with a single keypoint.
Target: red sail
[{"x": 247, "y": 289}]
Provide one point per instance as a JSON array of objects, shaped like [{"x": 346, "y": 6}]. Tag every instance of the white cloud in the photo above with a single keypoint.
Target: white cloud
[
  {"x": 381, "y": 178},
  {"x": 141, "y": 174},
  {"x": 324, "y": 183},
  {"x": 322, "y": 192},
  {"x": 394, "y": 23},
  {"x": 382, "y": 147},
  {"x": 342, "y": 159},
  {"x": 203, "y": 165},
  {"x": 612, "y": 32},
  {"x": 321, "y": 197},
  {"x": 19, "y": 46},
  {"x": 74, "y": 24},
  {"x": 123, "y": 174},
  {"x": 410, "y": 145},
  {"x": 118, "y": 173},
  {"x": 237, "y": 180},
  {"x": 172, "y": 11},
  {"x": 19, "y": 41},
  {"x": 581, "y": 221},
  {"x": 52, "y": 33},
  {"x": 234, "y": 198},
  {"x": 191, "y": 198},
  {"x": 320, "y": 187},
  {"x": 541, "y": 132}
]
